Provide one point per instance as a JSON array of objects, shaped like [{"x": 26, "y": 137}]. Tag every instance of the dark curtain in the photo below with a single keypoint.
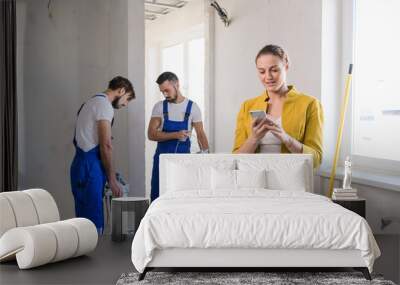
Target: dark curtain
[{"x": 8, "y": 97}]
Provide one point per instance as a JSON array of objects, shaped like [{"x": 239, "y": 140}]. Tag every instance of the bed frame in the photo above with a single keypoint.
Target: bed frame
[
  {"x": 249, "y": 259},
  {"x": 245, "y": 259}
]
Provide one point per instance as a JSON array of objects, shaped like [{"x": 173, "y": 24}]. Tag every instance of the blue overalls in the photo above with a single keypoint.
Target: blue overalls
[
  {"x": 88, "y": 179},
  {"x": 170, "y": 146}
]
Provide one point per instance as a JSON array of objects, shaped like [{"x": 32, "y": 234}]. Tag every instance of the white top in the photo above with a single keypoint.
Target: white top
[
  {"x": 95, "y": 109},
  {"x": 176, "y": 112},
  {"x": 270, "y": 143}
]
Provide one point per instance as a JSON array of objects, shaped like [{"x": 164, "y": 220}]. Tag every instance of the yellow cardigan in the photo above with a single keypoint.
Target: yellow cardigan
[{"x": 302, "y": 119}]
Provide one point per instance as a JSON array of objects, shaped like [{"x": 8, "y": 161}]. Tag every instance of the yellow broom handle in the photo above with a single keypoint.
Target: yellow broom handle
[{"x": 340, "y": 130}]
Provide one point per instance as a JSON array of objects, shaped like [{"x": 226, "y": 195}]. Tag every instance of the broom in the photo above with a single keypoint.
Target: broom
[{"x": 340, "y": 130}]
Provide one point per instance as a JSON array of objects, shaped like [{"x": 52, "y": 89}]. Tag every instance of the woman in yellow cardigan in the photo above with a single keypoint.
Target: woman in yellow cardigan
[{"x": 297, "y": 118}]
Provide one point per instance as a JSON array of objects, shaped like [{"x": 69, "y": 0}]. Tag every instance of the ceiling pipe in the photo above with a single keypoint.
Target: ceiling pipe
[
  {"x": 157, "y": 4},
  {"x": 163, "y": 12}
]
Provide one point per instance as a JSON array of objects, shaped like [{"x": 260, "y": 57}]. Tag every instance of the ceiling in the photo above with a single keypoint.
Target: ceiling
[{"x": 155, "y": 9}]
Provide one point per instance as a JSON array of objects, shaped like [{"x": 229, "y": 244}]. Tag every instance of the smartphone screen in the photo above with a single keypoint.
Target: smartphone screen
[
  {"x": 261, "y": 114},
  {"x": 258, "y": 114}
]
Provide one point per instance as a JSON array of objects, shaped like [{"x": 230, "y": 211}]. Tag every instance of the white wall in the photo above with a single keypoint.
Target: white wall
[
  {"x": 295, "y": 25},
  {"x": 63, "y": 60},
  {"x": 331, "y": 81}
]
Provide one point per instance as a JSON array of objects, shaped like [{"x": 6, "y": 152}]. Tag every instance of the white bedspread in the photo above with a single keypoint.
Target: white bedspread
[{"x": 250, "y": 219}]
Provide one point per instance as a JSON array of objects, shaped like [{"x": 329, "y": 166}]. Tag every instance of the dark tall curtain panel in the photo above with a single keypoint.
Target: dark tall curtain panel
[{"x": 8, "y": 97}]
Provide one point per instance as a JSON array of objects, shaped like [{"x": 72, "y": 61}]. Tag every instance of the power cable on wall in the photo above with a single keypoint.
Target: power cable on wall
[{"x": 222, "y": 13}]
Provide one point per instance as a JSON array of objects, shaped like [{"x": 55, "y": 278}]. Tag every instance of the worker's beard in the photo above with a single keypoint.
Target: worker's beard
[
  {"x": 115, "y": 103},
  {"x": 173, "y": 99}
]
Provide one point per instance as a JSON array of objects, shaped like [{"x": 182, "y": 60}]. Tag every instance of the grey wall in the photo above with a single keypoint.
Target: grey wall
[
  {"x": 62, "y": 61},
  {"x": 136, "y": 119}
]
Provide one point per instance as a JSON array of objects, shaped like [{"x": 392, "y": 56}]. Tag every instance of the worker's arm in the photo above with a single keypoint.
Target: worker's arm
[
  {"x": 104, "y": 132},
  {"x": 201, "y": 135},
  {"x": 155, "y": 134}
]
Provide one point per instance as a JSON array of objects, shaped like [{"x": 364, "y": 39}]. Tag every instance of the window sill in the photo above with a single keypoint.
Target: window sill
[{"x": 365, "y": 177}]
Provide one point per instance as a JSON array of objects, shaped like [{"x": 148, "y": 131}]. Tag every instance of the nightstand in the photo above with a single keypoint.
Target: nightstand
[
  {"x": 137, "y": 205},
  {"x": 355, "y": 205}
]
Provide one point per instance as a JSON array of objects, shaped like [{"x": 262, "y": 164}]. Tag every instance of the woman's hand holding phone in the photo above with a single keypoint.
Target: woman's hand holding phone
[
  {"x": 260, "y": 127},
  {"x": 260, "y": 115}
]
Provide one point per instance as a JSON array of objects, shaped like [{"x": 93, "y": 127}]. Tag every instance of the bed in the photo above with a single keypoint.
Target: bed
[{"x": 247, "y": 211}]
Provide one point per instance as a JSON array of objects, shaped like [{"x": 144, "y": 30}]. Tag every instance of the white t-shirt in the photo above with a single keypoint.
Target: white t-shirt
[
  {"x": 270, "y": 143},
  {"x": 95, "y": 109},
  {"x": 176, "y": 112}
]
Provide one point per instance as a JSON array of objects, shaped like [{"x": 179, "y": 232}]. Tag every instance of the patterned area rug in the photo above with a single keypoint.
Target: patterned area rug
[{"x": 270, "y": 278}]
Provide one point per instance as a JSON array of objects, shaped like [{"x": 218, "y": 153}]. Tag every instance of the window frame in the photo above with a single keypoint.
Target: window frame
[{"x": 349, "y": 38}]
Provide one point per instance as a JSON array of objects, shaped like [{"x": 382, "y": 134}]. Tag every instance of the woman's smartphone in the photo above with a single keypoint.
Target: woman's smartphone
[
  {"x": 261, "y": 114},
  {"x": 258, "y": 114}
]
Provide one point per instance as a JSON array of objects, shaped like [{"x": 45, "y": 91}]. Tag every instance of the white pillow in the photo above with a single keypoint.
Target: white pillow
[
  {"x": 183, "y": 177},
  {"x": 228, "y": 179},
  {"x": 283, "y": 173},
  {"x": 192, "y": 175},
  {"x": 251, "y": 178},
  {"x": 223, "y": 179},
  {"x": 293, "y": 180}
]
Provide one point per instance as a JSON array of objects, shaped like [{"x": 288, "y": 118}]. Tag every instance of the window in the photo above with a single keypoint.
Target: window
[
  {"x": 172, "y": 60},
  {"x": 196, "y": 74},
  {"x": 376, "y": 96}
]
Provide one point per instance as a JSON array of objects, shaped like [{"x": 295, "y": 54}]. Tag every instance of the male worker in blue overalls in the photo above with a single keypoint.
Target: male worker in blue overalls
[
  {"x": 92, "y": 164},
  {"x": 171, "y": 123}
]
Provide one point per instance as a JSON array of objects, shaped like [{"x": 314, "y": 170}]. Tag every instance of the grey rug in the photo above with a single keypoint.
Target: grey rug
[{"x": 270, "y": 278}]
